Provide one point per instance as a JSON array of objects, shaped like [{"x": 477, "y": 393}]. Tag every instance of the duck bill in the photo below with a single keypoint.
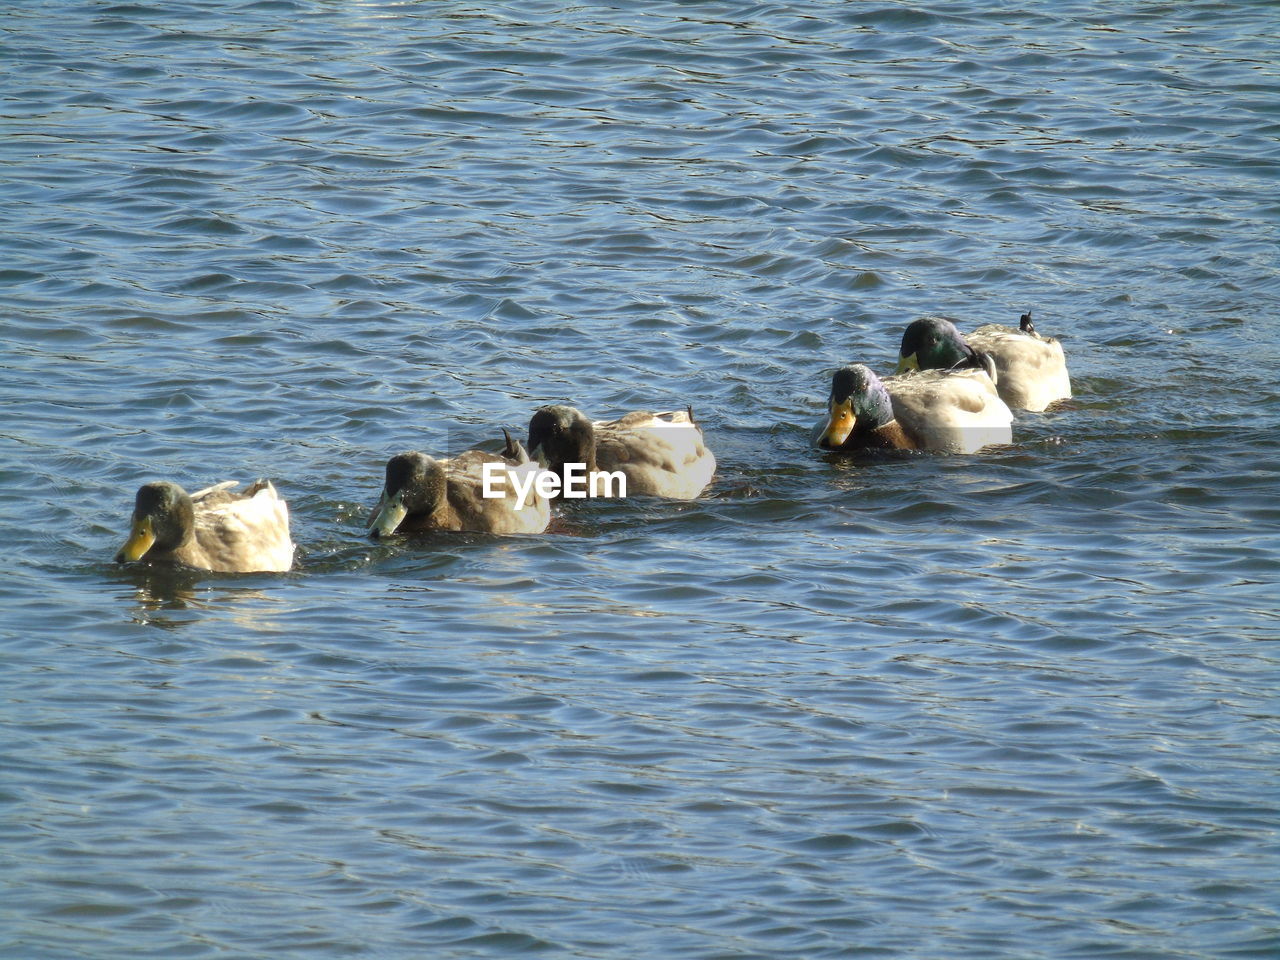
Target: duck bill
[
  {"x": 840, "y": 423},
  {"x": 911, "y": 362},
  {"x": 391, "y": 513},
  {"x": 142, "y": 537}
]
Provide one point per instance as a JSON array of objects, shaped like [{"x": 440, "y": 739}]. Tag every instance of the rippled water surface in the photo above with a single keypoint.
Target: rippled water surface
[{"x": 1017, "y": 705}]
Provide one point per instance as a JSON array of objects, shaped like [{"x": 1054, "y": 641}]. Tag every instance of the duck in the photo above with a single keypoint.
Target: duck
[
  {"x": 421, "y": 494},
  {"x": 216, "y": 529},
  {"x": 952, "y": 411},
  {"x": 1030, "y": 370},
  {"x": 658, "y": 454}
]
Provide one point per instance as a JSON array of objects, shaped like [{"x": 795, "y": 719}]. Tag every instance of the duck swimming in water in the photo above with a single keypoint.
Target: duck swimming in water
[
  {"x": 212, "y": 529},
  {"x": 421, "y": 493},
  {"x": 1030, "y": 370},
  {"x": 955, "y": 411},
  {"x": 660, "y": 454}
]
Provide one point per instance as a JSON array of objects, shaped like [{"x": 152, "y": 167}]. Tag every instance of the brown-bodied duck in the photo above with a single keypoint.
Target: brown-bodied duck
[
  {"x": 660, "y": 454},
  {"x": 215, "y": 528}
]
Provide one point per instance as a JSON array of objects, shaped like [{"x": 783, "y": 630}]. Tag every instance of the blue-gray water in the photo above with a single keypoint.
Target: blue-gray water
[{"x": 1020, "y": 705}]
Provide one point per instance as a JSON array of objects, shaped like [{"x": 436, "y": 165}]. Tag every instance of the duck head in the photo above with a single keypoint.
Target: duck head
[
  {"x": 858, "y": 403},
  {"x": 935, "y": 343},
  {"x": 414, "y": 489},
  {"x": 560, "y": 434},
  {"x": 932, "y": 343},
  {"x": 163, "y": 518}
]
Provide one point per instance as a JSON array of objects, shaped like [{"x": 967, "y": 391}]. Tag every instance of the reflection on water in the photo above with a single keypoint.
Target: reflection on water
[
  {"x": 163, "y": 593},
  {"x": 157, "y": 587}
]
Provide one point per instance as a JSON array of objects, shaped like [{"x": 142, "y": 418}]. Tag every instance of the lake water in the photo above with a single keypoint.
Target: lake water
[{"x": 1016, "y": 705}]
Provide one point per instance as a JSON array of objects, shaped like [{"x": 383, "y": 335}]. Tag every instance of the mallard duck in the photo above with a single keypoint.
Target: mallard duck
[
  {"x": 1030, "y": 369},
  {"x": 422, "y": 494},
  {"x": 953, "y": 411},
  {"x": 212, "y": 529},
  {"x": 660, "y": 454}
]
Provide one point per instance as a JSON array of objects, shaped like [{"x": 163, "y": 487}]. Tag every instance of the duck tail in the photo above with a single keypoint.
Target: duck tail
[
  {"x": 987, "y": 363},
  {"x": 1025, "y": 324},
  {"x": 514, "y": 449}
]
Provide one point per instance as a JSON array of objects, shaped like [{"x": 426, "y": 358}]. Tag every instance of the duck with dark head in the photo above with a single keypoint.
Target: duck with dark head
[
  {"x": 1028, "y": 369},
  {"x": 659, "y": 454},
  {"x": 212, "y": 529},
  {"x": 860, "y": 414},
  {"x": 953, "y": 411},
  {"x": 421, "y": 494}
]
